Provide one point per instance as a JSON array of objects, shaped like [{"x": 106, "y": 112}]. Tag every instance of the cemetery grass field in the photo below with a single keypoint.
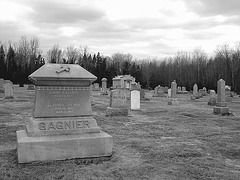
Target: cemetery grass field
[{"x": 157, "y": 142}]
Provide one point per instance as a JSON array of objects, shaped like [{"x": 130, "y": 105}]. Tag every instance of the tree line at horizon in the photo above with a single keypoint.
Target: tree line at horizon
[{"x": 19, "y": 60}]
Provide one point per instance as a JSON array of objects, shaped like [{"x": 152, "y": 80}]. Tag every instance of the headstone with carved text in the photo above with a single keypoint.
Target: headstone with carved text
[
  {"x": 62, "y": 126},
  {"x": 118, "y": 103}
]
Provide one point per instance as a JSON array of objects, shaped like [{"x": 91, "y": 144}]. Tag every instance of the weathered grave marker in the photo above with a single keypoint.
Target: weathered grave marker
[
  {"x": 221, "y": 104},
  {"x": 228, "y": 94},
  {"x": 195, "y": 92},
  {"x": 8, "y": 91},
  {"x": 159, "y": 91},
  {"x": 104, "y": 86},
  {"x": 169, "y": 93},
  {"x": 96, "y": 87},
  {"x": 212, "y": 99},
  {"x": 173, "y": 100},
  {"x": 62, "y": 126},
  {"x": 204, "y": 91},
  {"x": 118, "y": 103}
]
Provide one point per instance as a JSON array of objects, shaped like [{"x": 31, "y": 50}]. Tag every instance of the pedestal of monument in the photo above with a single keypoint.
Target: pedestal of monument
[
  {"x": 221, "y": 108},
  {"x": 62, "y": 126}
]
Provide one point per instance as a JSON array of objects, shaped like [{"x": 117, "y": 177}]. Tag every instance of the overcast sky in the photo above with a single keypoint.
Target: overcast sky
[{"x": 144, "y": 28}]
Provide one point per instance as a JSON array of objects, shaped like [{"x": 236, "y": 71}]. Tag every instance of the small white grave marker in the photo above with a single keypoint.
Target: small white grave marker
[{"x": 135, "y": 100}]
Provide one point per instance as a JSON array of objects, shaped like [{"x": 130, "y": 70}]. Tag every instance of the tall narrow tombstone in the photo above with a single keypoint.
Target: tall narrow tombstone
[
  {"x": 135, "y": 100},
  {"x": 221, "y": 104},
  {"x": 8, "y": 91},
  {"x": 62, "y": 126},
  {"x": 228, "y": 93},
  {"x": 212, "y": 99},
  {"x": 104, "y": 86},
  {"x": 195, "y": 92},
  {"x": 173, "y": 100},
  {"x": 169, "y": 93},
  {"x": 118, "y": 103}
]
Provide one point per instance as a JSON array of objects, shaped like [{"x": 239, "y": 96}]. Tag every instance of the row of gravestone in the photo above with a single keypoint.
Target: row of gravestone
[
  {"x": 160, "y": 91},
  {"x": 62, "y": 125}
]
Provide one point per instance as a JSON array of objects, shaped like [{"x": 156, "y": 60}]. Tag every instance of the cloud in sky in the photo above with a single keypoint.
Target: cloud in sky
[{"x": 144, "y": 28}]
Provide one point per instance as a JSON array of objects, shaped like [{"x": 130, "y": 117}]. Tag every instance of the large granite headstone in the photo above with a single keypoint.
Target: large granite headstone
[
  {"x": 135, "y": 100},
  {"x": 118, "y": 103},
  {"x": 221, "y": 104},
  {"x": 173, "y": 100},
  {"x": 62, "y": 126},
  {"x": 8, "y": 91}
]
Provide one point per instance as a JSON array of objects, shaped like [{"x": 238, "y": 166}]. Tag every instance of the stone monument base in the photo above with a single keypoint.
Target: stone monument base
[
  {"x": 220, "y": 110},
  {"x": 62, "y": 147},
  {"x": 116, "y": 111},
  {"x": 173, "y": 101}
]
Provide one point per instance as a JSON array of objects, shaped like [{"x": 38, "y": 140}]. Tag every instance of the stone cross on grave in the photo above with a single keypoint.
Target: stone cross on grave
[{"x": 62, "y": 69}]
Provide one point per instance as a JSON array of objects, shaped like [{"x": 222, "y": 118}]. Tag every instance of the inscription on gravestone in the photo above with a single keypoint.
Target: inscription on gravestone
[{"x": 62, "y": 101}]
